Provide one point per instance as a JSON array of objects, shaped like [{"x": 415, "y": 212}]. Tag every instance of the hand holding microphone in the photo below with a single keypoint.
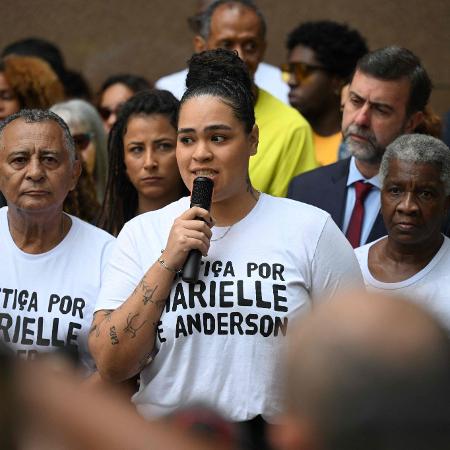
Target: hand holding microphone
[{"x": 201, "y": 196}]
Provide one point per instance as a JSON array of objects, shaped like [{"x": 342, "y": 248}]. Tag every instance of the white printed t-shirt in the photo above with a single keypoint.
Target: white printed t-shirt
[
  {"x": 430, "y": 287},
  {"x": 47, "y": 300},
  {"x": 218, "y": 341}
]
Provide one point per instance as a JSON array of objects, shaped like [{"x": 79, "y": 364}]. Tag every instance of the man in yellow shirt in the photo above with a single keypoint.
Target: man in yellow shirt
[
  {"x": 285, "y": 146},
  {"x": 322, "y": 56}
]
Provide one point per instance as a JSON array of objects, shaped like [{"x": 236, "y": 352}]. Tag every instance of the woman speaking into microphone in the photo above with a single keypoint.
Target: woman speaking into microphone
[{"x": 265, "y": 260}]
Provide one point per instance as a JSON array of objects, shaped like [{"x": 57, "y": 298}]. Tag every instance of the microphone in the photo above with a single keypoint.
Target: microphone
[{"x": 201, "y": 197}]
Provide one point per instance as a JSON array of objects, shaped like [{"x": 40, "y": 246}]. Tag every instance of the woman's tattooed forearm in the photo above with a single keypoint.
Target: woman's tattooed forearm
[
  {"x": 113, "y": 335},
  {"x": 130, "y": 328},
  {"x": 105, "y": 316},
  {"x": 147, "y": 292}
]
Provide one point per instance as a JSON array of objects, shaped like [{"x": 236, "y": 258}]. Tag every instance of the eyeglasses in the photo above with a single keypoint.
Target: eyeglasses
[
  {"x": 106, "y": 112},
  {"x": 300, "y": 70},
  {"x": 82, "y": 140}
]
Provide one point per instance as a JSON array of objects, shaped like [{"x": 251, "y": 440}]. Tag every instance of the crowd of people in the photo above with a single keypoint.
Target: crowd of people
[{"x": 320, "y": 317}]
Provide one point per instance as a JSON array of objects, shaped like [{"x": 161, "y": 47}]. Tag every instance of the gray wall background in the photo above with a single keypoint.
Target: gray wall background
[{"x": 151, "y": 37}]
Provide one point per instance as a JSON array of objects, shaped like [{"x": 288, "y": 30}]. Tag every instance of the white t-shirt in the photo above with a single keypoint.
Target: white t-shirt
[
  {"x": 267, "y": 77},
  {"x": 47, "y": 300},
  {"x": 430, "y": 287},
  {"x": 219, "y": 339}
]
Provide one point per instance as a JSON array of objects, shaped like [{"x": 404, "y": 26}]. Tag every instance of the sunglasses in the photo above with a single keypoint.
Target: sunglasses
[
  {"x": 82, "y": 140},
  {"x": 301, "y": 71},
  {"x": 106, "y": 112}
]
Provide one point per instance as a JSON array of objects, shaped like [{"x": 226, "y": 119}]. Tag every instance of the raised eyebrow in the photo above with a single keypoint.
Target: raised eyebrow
[
  {"x": 208, "y": 128},
  {"x": 355, "y": 94},
  {"x": 135, "y": 143},
  {"x": 163, "y": 140},
  {"x": 185, "y": 130},
  {"x": 371, "y": 104},
  {"x": 19, "y": 152},
  {"x": 48, "y": 152},
  {"x": 218, "y": 127}
]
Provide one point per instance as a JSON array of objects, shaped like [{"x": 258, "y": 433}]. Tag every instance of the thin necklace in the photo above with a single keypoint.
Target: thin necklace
[
  {"x": 255, "y": 195},
  {"x": 223, "y": 235}
]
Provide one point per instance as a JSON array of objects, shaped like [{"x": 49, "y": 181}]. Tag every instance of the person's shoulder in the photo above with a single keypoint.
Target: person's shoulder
[
  {"x": 323, "y": 172},
  {"x": 446, "y": 246},
  {"x": 171, "y": 78},
  {"x": 279, "y": 112},
  {"x": 282, "y": 206},
  {"x": 267, "y": 100},
  {"x": 174, "y": 83},
  {"x": 268, "y": 69},
  {"x": 363, "y": 251},
  {"x": 167, "y": 212},
  {"x": 89, "y": 231}
]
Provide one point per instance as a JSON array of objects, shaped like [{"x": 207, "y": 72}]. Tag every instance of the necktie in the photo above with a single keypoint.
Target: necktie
[{"x": 355, "y": 224}]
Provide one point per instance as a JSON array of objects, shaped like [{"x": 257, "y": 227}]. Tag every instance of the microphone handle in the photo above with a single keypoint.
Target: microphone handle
[
  {"x": 201, "y": 196},
  {"x": 191, "y": 268}
]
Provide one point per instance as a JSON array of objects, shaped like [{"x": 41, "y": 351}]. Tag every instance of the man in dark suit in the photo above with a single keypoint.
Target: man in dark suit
[{"x": 387, "y": 96}]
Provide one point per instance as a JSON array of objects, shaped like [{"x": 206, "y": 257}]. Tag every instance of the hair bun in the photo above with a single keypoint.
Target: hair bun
[{"x": 217, "y": 66}]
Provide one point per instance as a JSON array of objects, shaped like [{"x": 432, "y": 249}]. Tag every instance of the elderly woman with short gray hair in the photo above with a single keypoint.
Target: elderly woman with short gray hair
[{"x": 414, "y": 258}]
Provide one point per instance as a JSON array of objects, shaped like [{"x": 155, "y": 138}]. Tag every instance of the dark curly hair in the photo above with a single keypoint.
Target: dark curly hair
[
  {"x": 121, "y": 198},
  {"x": 336, "y": 46},
  {"x": 221, "y": 73}
]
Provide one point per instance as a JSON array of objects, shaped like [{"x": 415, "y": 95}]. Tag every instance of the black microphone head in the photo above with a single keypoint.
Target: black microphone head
[{"x": 202, "y": 192}]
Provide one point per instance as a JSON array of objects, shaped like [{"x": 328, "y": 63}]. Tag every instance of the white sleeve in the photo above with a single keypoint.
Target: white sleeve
[
  {"x": 334, "y": 265},
  {"x": 122, "y": 273}
]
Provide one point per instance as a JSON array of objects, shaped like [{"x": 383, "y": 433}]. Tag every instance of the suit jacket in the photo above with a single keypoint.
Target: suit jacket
[{"x": 326, "y": 188}]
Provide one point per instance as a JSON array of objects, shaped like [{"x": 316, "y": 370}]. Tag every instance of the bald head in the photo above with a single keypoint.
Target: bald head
[{"x": 368, "y": 370}]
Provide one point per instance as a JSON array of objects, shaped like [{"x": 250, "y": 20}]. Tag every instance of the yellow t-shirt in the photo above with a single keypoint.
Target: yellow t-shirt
[
  {"x": 327, "y": 148},
  {"x": 285, "y": 146}
]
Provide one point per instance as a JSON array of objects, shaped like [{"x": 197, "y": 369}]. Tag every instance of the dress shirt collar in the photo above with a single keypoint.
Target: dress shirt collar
[{"x": 355, "y": 175}]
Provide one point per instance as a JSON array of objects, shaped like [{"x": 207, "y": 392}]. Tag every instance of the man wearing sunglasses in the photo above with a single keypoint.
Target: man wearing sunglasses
[
  {"x": 387, "y": 97},
  {"x": 322, "y": 56}
]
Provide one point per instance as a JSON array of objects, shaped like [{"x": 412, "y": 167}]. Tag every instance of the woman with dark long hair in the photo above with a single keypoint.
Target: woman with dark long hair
[{"x": 143, "y": 171}]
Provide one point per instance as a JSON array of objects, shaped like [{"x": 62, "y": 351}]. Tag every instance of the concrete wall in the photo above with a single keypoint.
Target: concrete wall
[{"x": 151, "y": 37}]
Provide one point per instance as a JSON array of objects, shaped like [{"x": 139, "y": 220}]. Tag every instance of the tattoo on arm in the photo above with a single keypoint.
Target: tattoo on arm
[
  {"x": 147, "y": 292},
  {"x": 96, "y": 326},
  {"x": 130, "y": 328},
  {"x": 113, "y": 335}
]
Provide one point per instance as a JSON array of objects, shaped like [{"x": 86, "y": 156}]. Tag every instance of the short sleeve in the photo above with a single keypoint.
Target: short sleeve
[
  {"x": 122, "y": 273},
  {"x": 334, "y": 265}
]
